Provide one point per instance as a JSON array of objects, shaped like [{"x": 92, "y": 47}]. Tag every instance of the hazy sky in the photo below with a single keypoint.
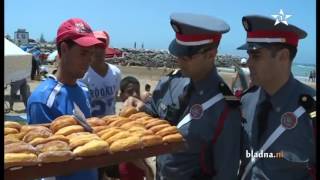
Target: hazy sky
[{"x": 147, "y": 21}]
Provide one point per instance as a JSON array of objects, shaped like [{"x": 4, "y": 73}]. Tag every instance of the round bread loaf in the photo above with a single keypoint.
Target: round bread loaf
[
  {"x": 55, "y": 156},
  {"x": 61, "y": 122},
  {"x": 126, "y": 144},
  {"x": 94, "y": 121},
  {"x": 70, "y": 129},
  {"x": 155, "y": 123},
  {"x": 12, "y": 124},
  {"x": 92, "y": 148},
  {"x": 36, "y": 133},
  {"x": 8, "y": 130},
  {"x": 167, "y": 131},
  {"x": 117, "y": 136},
  {"x": 19, "y": 159},
  {"x": 10, "y": 139},
  {"x": 53, "y": 146},
  {"x": 19, "y": 147},
  {"x": 128, "y": 111},
  {"x": 159, "y": 127},
  {"x": 151, "y": 140},
  {"x": 138, "y": 115},
  {"x": 54, "y": 137}
]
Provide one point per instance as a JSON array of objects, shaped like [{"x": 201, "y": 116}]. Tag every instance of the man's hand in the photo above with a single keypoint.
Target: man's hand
[{"x": 135, "y": 102}]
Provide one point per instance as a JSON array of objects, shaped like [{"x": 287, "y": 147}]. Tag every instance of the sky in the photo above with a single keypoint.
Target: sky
[{"x": 148, "y": 21}]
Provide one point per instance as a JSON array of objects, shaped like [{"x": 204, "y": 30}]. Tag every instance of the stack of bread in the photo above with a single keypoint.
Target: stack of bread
[
  {"x": 134, "y": 130},
  {"x": 17, "y": 152},
  {"x": 81, "y": 143}
]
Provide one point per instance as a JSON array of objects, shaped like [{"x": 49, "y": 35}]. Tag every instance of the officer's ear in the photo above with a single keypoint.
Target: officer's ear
[
  {"x": 212, "y": 53},
  {"x": 284, "y": 54}
]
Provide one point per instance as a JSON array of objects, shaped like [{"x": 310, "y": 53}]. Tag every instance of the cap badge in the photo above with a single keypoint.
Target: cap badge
[
  {"x": 196, "y": 111},
  {"x": 289, "y": 120},
  {"x": 80, "y": 28}
]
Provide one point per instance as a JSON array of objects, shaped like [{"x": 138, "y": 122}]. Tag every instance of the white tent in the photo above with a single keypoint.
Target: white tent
[
  {"x": 17, "y": 63},
  {"x": 52, "y": 56}
]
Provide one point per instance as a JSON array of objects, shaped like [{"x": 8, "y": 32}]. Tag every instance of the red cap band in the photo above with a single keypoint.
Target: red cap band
[{"x": 290, "y": 37}]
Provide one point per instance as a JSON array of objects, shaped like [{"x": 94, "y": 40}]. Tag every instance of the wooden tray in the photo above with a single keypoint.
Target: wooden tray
[{"x": 63, "y": 168}]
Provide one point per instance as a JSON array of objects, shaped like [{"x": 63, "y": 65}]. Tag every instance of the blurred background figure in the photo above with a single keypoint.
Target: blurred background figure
[
  {"x": 23, "y": 87},
  {"x": 242, "y": 80}
]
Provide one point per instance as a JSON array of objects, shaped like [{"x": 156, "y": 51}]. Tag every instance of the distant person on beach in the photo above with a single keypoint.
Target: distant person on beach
[
  {"x": 103, "y": 80},
  {"x": 22, "y": 86},
  {"x": 146, "y": 96},
  {"x": 55, "y": 97},
  {"x": 310, "y": 76},
  {"x": 279, "y": 111},
  {"x": 198, "y": 102},
  {"x": 35, "y": 67}
]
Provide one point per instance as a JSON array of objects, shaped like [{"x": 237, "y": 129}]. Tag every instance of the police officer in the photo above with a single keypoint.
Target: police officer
[
  {"x": 195, "y": 100},
  {"x": 278, "y": 110}
]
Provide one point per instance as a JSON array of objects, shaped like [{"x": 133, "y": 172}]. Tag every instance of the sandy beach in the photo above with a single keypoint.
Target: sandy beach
[{"x": 143, "y": 74}]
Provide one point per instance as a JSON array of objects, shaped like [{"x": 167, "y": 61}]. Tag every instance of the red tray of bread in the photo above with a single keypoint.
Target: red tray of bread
[{"x": 63, "y": 147}]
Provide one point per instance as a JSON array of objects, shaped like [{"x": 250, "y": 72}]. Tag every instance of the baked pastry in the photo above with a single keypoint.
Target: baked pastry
[
  {"x": 77, "y": 134},
  {"x": 55, "y": 156},
  {"x": 151, "y": 140},
  {"x": 81, "y": 140},
  {"x": 35, "y": 133},
  {"x": 136, "y": 128},
  {"x": 12, "y": 124},
  {"x": 70, "y": 129},
  {"x": 138, "y": 115},
  {"x": 159, "y": 127},
  {"x": 10, "y": 139},
  {"x": 127, "y": 111},
  {"x": 19, "y": 159},
  {"x": 94, "y": 121},
  {"x": 141, "y": 133},
  {"x": 120, "y": 121},
  {"x": 155, "y": 123},
  {"x": 176, "y": 137},
  {"x": 53, "y": 146},
  {"x": 54, "y": 137},
  {"x": 119, "y": 135},
  {"x": 126, "y": 144},
  {"x": 92, "y": 148},
  {"x": 19, "y": 147},
  {"x": 97, "y": 129},
  {"x": 8, "y": 130},
  {"x": 110, "y": 133},
  {"x": 61, "y": 122},
  {"x": 131, "y": 124},
  {"x": 167, "y": 131},
  {"x": 109, "y": 118}
]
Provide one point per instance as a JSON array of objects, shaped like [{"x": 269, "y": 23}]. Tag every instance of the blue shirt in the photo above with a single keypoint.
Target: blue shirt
[{"x": 52, "y": 99}]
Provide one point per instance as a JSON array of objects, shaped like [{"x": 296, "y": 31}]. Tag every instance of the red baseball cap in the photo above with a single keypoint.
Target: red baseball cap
[
  {"x": 103, "y": 36},
  {"x": 78, "y": 31}
]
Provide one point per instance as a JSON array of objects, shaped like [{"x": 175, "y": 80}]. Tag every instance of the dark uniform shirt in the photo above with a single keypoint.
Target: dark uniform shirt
[
  {"x": 297, "y": 144},
  {"x": 198, "y": 133}
]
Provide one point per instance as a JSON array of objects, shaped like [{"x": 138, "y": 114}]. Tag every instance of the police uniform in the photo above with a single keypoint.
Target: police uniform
[
  {"x": 289, "y": 127},
  {"x": 201, "y": 111}
]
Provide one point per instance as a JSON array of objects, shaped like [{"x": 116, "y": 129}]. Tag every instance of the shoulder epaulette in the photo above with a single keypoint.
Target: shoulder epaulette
[
  {"x": 309, "y": 104},
  {"x": 230, "y": 98},
  {"x": 251, "y": 89}
]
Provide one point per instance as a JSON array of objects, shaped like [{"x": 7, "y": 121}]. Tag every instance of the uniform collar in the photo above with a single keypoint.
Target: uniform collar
[
  {"x": 282, "y": 96},
  {"x": 208, "y": 83}
]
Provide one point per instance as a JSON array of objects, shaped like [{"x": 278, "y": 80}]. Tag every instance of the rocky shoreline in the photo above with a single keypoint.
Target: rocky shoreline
[{"x": 160, "y": 58}]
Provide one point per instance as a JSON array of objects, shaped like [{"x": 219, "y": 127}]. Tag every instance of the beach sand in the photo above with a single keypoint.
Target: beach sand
[{"x": 143, "y": 74}]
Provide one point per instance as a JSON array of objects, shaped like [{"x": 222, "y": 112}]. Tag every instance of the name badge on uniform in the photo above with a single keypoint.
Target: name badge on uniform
[
  {"x": 196, "y": 111},
  {"x": 289, "y": 120}
]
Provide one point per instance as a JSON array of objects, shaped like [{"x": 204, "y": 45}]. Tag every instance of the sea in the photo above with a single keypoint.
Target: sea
[{"x": 302, "y": 71}]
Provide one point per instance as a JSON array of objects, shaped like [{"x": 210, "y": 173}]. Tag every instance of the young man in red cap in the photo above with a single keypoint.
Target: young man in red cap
[
  {"x": 279, "y": 112},
  {"x": 55, "y": 97}
]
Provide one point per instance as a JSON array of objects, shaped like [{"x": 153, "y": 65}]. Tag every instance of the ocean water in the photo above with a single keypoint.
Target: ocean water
[{"x": 302, "y": 71}]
